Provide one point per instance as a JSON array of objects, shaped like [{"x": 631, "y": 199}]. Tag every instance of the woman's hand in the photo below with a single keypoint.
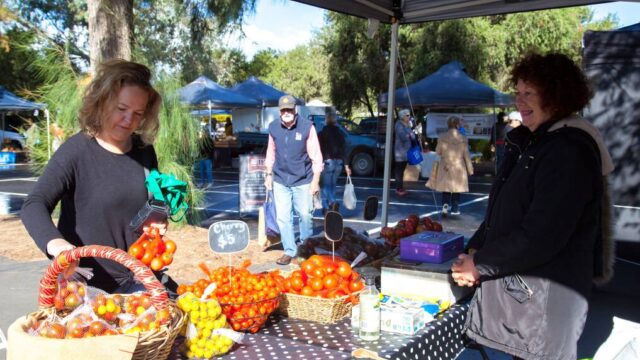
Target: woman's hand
[
  {"x": 347, "y": 170},
  {"x": 162, "y": 227},
  {"x": 464, "y": 271},
  {"x": 55, "y": 247}
]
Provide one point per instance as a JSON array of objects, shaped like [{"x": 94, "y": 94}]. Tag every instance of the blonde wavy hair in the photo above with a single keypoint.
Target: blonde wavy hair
[{"x": 100, "y": 97}]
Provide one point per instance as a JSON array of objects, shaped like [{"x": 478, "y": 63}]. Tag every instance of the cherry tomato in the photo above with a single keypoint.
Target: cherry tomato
[
  {"x": 344, "y": 270},
  {"x": 171, "y": 246},
  {"x": 316, "y": 284},
  {"x": 137, "y": 251},
  {"x": 331, "y": 281}
]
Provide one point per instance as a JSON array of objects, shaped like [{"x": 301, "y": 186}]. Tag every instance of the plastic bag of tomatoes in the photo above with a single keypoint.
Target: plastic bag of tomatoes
[
  {"x": 153, "y": 249},
  {"x": 246, "y": 299}
]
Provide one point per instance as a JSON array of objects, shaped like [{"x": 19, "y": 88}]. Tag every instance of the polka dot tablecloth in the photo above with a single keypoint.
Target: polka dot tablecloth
[{"x": 284, "y": 338}]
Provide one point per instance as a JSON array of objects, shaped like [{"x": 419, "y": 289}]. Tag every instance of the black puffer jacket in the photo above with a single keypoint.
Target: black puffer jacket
[{"x": 544, "y": 213}]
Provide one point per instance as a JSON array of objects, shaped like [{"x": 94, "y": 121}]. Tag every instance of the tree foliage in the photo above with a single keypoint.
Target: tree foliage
[
  {"x": 487, "y": 46},
  {"x": 17, "y": 58},
  {"x": 301, "y": 72}
]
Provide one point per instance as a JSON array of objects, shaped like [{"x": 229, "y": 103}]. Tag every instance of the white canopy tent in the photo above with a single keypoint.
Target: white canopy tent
[{"x": 396, "y": 12}]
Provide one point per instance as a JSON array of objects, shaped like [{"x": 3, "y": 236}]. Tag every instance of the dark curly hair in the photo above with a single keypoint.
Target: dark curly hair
[{"x": 562, "y": 86}]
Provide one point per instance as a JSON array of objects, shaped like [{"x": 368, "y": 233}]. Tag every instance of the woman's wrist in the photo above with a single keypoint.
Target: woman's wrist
[{"x": 56, "y": 246}]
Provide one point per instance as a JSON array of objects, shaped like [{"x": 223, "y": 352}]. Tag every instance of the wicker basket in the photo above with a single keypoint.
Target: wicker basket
[
  {"x": 154, "y": 344},
  {"x": 320, "y": 310}
]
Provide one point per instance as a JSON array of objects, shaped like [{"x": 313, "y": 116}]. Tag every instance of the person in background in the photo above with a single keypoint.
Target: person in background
[
  {"x": 58, "y": 136},
  {"x": 515, "y": 120},
  {"x": 228, "y": 128},
  {"x": 544, "y": 240},
  {"x": 293, "y": 167},
  {"x": 497, "y": 137},
  {"x": 205, "y": 163},
  {"x": 98, "y": 174},
  {"x": 454, "y": 167},
  {"x": 402, "y": 143},
  {"x": 333, "y": 146}
]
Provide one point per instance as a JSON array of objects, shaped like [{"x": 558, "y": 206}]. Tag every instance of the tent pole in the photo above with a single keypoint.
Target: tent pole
[
  {"x": 46, "y": 114},
  {"x": 388, "y": 147}
]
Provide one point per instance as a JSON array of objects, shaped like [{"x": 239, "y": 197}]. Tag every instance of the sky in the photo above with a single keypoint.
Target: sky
[{"x": 283, "y": 24}]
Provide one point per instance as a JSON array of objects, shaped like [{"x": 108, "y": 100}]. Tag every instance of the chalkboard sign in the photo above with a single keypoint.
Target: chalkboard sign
[
  {"x": 333, "y": 226},
  {"x": 251, "y": 189},
  {"x": 228, "y": 236}
]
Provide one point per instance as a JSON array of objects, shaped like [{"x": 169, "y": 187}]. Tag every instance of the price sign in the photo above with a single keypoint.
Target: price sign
[{"x": 228, "y": 236}]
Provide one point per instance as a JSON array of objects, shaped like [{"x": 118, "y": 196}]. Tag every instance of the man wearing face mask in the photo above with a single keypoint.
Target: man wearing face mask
[{"x": 294, "y": 165}]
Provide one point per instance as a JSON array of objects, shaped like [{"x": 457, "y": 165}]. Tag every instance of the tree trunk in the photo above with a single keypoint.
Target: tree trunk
[{"x": 110, "y": 30}]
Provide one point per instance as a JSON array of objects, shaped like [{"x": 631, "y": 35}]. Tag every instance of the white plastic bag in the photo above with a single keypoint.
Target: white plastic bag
[
  {"x": 349, "y": 198},
  {"x": 622, "y": 344}
]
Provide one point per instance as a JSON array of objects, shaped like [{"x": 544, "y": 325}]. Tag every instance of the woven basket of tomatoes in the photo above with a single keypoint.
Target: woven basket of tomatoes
[
  {"x": 155, "y": 324},
  {"x": 247, "y": 299},
  {"x": 324, "y": 290}
]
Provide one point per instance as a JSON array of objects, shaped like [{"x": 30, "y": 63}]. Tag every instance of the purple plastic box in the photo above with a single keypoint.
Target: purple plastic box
[{"x": 432, "y": 247}]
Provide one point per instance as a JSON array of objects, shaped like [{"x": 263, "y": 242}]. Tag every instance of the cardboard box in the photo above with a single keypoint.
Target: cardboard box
[
  {"x": 431, "y": 246},
  {"x": 425, "y": 281},
  {"x": 402, "y": 320}
]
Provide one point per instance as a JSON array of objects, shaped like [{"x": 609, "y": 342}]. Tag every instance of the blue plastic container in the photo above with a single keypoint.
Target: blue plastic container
[{"x": 432, "y": 247}]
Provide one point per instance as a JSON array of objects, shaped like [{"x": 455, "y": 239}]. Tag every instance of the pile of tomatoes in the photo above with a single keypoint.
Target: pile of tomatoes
[
  {"x": 247, "y": 299},
  {"x": 322, "y": 276},
  {"x": 153, "y": 249},
  {"x": 409, "y": 226}
]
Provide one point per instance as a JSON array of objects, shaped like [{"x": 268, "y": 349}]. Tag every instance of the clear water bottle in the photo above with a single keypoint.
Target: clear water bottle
[{"x": 369, "y": 311}]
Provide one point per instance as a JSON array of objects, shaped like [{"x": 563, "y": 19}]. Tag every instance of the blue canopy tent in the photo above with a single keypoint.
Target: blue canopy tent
[
  {"x": 450, "y": 86},
  {"x": 11, "y": 102},
  {"x": 257, "y": 89},
  {"x": 205, "y": 92}
]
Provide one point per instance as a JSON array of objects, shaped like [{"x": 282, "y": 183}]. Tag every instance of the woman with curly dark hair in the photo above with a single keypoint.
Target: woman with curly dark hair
[{"x": 543, "y": 242}]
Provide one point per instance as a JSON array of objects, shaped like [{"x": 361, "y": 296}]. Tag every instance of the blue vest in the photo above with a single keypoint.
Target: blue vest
[{"x": 292, "y": 166}]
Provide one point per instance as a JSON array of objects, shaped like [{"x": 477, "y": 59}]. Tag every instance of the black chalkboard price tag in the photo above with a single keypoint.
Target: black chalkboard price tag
[{"x": 228, "y": 236}]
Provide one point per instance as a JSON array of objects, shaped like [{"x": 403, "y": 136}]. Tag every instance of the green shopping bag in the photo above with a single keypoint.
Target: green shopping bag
[{"x": 171, "y": 191}]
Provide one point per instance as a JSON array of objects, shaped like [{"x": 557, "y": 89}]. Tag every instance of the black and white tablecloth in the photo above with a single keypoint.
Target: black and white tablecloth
[{"x": 285, "y": 338}]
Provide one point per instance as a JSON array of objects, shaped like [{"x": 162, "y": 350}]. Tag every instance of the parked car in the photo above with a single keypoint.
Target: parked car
[
  {"x": 15, "y": 139},
  {"x": 364, "y": 153}
]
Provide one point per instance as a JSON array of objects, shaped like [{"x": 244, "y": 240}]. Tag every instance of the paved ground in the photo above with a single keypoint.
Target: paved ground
[{"x": 19, "y": 281}]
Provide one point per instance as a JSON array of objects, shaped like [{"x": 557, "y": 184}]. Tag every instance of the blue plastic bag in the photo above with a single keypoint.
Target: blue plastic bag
[
  {"x": 414, "y": 154},
  {"x": 271, "y": 220}
]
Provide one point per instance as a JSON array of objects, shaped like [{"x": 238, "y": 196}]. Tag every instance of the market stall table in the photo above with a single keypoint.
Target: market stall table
[{"x": 286, "y": 338}]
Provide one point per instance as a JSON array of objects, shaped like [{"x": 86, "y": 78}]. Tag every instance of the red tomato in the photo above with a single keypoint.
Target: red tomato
[
  {"x": 307, "y": 291},
  {"x": 308, "y": 267},
  {"x": 297, "y": 283},
  {"x": 344, "y": 270},
  {"x": 137, "y": 251},
  {"x": 148, "y": 256},
  {"x": 356, "y": 285},
  {"x": 96, "y": 327},
  {"x": 167, "y": 258},
  {"x": 316, "y": 284},
  {"x": 318, "y": 272},
  {"x": 331, "y": 281},
  {"x": 171, "y": 246}
]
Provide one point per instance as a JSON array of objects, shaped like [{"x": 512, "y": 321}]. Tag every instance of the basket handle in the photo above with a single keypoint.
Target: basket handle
[{"x": 142, "y": 273}]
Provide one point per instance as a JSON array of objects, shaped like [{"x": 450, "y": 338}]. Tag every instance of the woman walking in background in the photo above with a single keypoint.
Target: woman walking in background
[
  {"x": 451, "y": 177},
  {"x": 403, "y": 138}
]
